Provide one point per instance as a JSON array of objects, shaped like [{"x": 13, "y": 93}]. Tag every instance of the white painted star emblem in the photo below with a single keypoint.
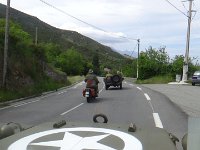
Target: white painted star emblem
[
  {"x": 74, "y": 142},
  {"x": 77, "y": 142}
]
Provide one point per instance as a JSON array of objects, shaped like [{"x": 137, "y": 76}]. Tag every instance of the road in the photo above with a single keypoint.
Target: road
[{"x": 140, "y": 105}]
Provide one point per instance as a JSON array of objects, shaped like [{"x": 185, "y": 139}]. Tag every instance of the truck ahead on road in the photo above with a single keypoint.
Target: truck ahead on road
[{"x": 114, "y": 80}]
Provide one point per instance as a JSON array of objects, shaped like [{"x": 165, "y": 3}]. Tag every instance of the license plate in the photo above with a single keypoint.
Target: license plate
[{"x": 87, "y": 94}]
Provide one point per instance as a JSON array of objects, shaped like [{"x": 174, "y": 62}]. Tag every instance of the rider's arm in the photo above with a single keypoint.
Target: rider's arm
[
  {"x": 96, "y": 79},
  {"x": 86, "y": 78}
]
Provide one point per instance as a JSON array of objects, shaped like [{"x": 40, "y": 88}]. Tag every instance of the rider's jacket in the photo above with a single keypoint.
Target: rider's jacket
[{"x": 91, "y": 81}]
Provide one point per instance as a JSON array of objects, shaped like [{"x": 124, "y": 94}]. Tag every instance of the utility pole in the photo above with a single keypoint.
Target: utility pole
[
  {"x": 185, "y": 63},
  {"x": 6, "y": 43},
  {"x": 36, "y": 35},
  {"x": 138, "y": 40}
]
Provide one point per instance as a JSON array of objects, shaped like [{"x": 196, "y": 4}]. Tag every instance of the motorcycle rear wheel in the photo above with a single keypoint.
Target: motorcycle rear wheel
[{"x": 89, "y": 99}]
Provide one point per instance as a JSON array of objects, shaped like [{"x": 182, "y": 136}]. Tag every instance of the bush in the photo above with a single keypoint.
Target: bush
[
  {"x": 71, "y": 62},
  {"x": 153, "y": 63}
]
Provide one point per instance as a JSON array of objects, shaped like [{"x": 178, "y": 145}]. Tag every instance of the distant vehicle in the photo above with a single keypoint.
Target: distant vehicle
[
  {"x": 196, "y": 78},
  {"x": 115, "y": 80},
  {"x": 78, "y": 135}
]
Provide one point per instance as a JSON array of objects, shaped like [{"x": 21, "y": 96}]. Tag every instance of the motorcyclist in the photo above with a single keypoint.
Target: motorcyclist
[{"x": 92, "y": 81}]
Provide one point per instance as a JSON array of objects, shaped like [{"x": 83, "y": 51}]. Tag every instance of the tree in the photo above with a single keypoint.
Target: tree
[
  {"x": 129, "y": 68},
  {"x": 95, "y": 63},
  {"x": 153, "y": 62},
  {"x": 52, "y": 51},
  {"x": 19, "y": 39},
  {"x": 86, "y": 66},
  {"x": 71, "y": 62},
  {"x": 177, "y": 65}
]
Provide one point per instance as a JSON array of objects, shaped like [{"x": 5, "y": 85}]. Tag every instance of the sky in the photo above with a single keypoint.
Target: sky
[{"x": 156, "y": 23}]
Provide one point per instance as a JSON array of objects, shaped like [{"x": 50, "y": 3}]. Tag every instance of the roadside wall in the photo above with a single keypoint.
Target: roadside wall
[{"x": 1, "y": 68}]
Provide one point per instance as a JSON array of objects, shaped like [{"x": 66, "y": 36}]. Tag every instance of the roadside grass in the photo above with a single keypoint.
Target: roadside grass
[
  {"x": 133, "y": 80},
  {"x": 156, "y": 80},
  {"x": 189, "y": 81},
  {"x": 37, "y": 89},
  {"x": 6, "y": 95},
  {"x": 74, "y": 79}
]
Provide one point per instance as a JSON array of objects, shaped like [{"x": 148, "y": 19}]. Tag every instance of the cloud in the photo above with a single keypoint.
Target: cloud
[{"x": 103, "y": 37}]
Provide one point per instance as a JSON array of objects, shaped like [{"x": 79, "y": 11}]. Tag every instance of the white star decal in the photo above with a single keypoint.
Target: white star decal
[{"x": 74, "y": 142}]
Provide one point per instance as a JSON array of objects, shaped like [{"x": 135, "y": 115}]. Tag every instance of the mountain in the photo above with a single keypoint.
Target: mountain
[
  {"x": 65, "y": 38},
  {"x": 126, "y": 53}
]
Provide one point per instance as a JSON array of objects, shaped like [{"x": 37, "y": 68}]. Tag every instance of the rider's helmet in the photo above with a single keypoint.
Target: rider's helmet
[{"x": 90, "y": 71}]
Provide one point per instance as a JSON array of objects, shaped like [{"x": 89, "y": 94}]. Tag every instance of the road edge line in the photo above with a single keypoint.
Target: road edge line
[{"x": 157, "y": 120}]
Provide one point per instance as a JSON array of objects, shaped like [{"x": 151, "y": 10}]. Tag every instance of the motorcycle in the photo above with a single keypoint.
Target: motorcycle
[{"x": 89, "y": 92}]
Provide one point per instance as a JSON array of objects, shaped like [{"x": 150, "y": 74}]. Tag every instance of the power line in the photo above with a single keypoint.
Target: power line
[
  {"x": 194, "y": 11},
  {"x": 134, "y": 49},
  {"x": 184, "y": 6},
  {"x": 91, "y": 25},
  {"x": 176, "y": 8},
  {"x": 194, "y": 14},
  {"x": 72, "y": 16}
]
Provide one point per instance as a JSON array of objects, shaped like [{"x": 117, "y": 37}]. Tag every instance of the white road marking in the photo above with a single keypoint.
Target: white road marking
[
  {"x": 62, "y": 92},
  {"x": 25, "y": 103},
  {"x": 103, "y": 87},
  {"x": 149, "y": 100},
  {"x": 71, "y": 109},
  {"x": 147, "y": 96},
  {"x": 100, "y": 90},
  {"x": 48, "y": 95},
  {"x": 79, "y": 84},
  {"x": 131, "y": 84},
  {"x": 157, "y": 120},
  {"x": 139, "y": 88},
  {"x": 156, "y": 117},
  {"x": 151, "y": 106},
  {"x": 5, "y": 107}
]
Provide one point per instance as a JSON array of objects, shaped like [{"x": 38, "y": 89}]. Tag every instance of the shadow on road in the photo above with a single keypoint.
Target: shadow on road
[
  {"x": 116, "y": 88},
  {"x": 98, "y": 100}
]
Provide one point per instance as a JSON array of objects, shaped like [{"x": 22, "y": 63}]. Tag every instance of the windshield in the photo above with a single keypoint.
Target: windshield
[
  {"x": 197, "y": 73},
  {"x": 69, "y": 60}
]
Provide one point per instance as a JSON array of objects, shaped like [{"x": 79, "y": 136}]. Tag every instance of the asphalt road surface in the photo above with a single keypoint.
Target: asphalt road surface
[{"x": 139, "y": 105}]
